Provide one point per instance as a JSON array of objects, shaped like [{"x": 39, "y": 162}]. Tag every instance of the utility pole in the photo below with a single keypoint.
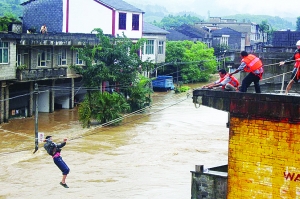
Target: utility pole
[
  {"x": 36, "y": 97},
  {"x": 177, "y": 71}
]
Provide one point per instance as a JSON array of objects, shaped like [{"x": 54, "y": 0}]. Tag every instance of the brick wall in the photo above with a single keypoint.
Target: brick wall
[
  {"x": 263, "y": 159},
  {"x": 49, "y": 12},
  {"x": 264, "y": 143}
]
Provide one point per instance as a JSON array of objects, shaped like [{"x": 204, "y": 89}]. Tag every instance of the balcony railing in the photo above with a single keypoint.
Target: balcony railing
[{"x": 39, "y": 74}]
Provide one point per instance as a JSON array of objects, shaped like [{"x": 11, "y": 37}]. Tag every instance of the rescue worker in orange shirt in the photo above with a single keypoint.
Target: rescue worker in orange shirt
[
  {"x": 225, "y": 82},
  {"x": 253, "y": 65},
  {"x": 296, "y": 72}
]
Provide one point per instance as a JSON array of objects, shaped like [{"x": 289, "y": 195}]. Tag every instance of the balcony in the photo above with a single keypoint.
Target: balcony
[
  {"x": 58, "y": 39},
  {"x": 41, "y": 74}
]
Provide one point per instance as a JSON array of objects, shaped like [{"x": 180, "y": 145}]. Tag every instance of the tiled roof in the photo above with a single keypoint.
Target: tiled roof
[
  {"x": 116, "y": 4},
  {"x": 119, "y": 5},
  {"x": 27, "y": 2},
  {"x": 177, "y": 36},
  {"x": 223, "y": 31},
  {"x": 149, "y": 28},
  {"x": 190, "y": 31}
]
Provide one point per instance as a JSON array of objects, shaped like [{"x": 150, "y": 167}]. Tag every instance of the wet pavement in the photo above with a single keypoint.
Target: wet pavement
[{"x": 149, "y": 156}]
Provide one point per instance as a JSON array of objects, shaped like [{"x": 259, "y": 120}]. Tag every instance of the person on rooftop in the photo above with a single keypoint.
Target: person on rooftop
[
  {"x": 296, "y": 72},
  {"x": 254, "y": 66}
]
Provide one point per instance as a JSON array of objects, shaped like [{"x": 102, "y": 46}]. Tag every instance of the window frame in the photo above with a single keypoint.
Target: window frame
[
  {"x": 78, "y": 60},
  {"x": 41, "y": 59},
  {"x": 149, "y": 47},
  {"x": 4, "y": 52},
  {"x": 62, "y": 57},
  {"x": 48, "y": 57},
  {"x": 19, "y": 59},
  {"x": 122, "y": 20},
  {"x": 160, "y": 47},
  {"x": 135, "y": 22}
]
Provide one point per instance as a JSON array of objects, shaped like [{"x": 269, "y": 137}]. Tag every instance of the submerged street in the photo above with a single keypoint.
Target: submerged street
[{"x": 149, "y": 156}]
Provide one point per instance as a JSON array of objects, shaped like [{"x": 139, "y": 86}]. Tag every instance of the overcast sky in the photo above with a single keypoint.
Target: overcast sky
[{"x": 281, "y": 8}]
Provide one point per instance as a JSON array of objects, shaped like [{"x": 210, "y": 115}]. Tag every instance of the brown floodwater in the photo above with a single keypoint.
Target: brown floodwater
[{"x": 149, "y": 156}]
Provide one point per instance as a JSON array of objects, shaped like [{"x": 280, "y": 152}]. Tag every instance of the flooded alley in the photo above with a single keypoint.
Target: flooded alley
[{"x": 149, "y": 156}]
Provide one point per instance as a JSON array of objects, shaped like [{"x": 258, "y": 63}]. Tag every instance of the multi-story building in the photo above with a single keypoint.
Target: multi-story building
[
  {"x": 189, "y": 32},
  {"x": 114, "y": 17},
  {"x": 284, "y": 41},
  {"x": 44, "y": 59},
  {"x": 234, "y": 40},
  {"x": 250, "y": 31},
  {"x": 155, "y": 46}
]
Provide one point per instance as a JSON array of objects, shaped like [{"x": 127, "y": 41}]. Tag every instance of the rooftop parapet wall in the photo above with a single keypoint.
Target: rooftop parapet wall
[
  {"x": 264, "y": 146},
  {"x": 251, "y": 105},
  {"x": 69, "y": 39}
]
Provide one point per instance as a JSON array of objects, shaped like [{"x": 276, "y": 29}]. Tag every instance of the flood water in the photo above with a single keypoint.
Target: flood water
[{"x": 149, "y": 156}]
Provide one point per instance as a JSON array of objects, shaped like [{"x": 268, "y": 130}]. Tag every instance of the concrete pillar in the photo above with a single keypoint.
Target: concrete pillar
[
  {"x": 52, "y": 98},
  {"x": 72, "y": 94},
  {"x": 30, "y": 108},
  {"x": 6, "y": 104},
  {"x": 44, "y": 101},
  {"x": 3, "y": 83}
]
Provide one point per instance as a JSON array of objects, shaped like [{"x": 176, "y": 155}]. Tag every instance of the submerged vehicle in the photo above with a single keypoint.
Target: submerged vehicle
[{"x": 163, "y": 83}]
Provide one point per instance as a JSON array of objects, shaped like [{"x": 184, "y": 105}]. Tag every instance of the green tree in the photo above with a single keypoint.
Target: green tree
[
  {"x": 6, "y": 20},
  {"x": 298, "y": 24},
  {"x": 105, "y": 107},
  {"x": 11, "y": 6},
  {"x": 139, "y": 93},
  {"x": 194, "y": 60},
  {"x": 264, "y": 28},
  {"x": 114, "y": 60}
]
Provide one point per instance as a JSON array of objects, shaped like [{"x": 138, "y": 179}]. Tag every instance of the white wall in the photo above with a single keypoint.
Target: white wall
[
  {"x": 155, "y": 58},
  {"x": 43, "y": 103},
  {"x": 129, "y": 32},
  {"x": 64, "y": 101},
  {"x": 85, "y": 15}
]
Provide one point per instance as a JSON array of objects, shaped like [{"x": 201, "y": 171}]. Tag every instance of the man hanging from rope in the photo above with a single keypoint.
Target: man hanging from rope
[
  {"x": 253, "y": 65},
  {"x": 296, "y": 72},
  {"x": 54, "y": 150}
]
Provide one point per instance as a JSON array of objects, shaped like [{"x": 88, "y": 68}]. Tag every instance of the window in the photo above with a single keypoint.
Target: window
[
  {"x": 41, "y": 57},
  {"x": 224, "y": 40},
  {"x": 3, "y": 52},
  {"x": 135, "y": 22},
  {"x": 78, "y": 60},
  {"x": 122, "y": 21},
  {"x": 62, "y": 57},
  {"x": 161, "y": 47},
  {"x": 149, "y": 47},
  {"x": 19, "y": 59},
  {"x": 48, "y": 54}
]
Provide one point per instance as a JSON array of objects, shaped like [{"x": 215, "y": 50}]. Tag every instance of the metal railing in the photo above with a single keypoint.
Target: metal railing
[{"x": 41, "y": 73}]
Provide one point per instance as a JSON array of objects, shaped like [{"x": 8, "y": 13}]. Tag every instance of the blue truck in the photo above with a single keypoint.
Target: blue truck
[{"x": 163, "y": 83}]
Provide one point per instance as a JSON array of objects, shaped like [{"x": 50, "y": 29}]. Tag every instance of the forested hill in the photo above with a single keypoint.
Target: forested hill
[
  {"x": 277, "y": 23},
  {"x": 8, "y": 7},
  {"x": 159, "y": 14}
]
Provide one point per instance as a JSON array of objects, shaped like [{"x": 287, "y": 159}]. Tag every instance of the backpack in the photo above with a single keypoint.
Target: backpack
[{"x": 50, "y": 147}]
